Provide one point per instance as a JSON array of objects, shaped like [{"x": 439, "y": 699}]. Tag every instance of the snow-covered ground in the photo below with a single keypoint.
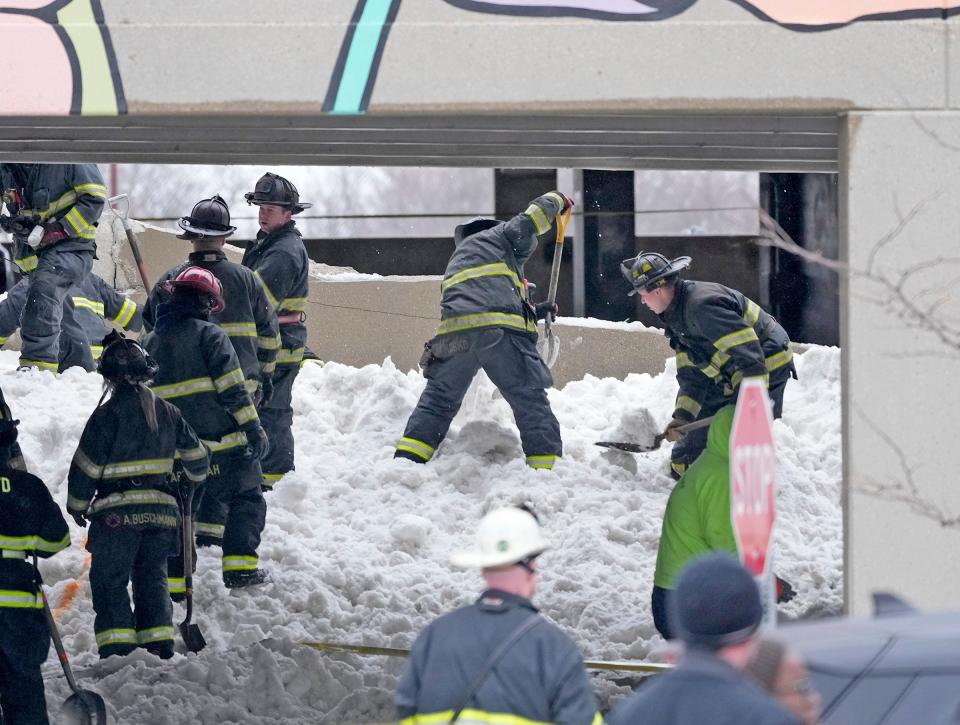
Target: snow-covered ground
[{"x": 357, "y": 542}]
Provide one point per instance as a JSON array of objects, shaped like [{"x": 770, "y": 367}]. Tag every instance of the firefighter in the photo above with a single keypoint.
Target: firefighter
[
  {"x": 31, "y": 525},
  {"x": 487, "y": 322},
  {"x": 91, "y": 304},
  {"x": 248, "y": 318},
  {"x": 720, "y": 337},
  {"x": 54, "y": 210},
  {"x": 497, "y": 658},
  {"x": 121, "y": 480},
  {"x": 201, "y": 375},
  {"x": 280, "y": 261}
]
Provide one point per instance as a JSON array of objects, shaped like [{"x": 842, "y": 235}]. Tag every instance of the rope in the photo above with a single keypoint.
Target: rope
[{"x": 361, "y": 649}]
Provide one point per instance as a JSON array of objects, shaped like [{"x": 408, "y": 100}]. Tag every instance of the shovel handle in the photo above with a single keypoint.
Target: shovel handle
[
  {"x": 55, "y": 636},
  {"x": 555, "y": 267}
]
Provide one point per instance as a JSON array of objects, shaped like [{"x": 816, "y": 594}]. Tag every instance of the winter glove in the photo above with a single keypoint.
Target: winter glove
[
  {"x": 785, "y": 591},
  {"x": 80, "y": 517},
  {"x": 52, "y": 234},
  {"x": 670, "y": 433},
  {"x": 257, "y": 443},
  {"x": 266, "y": 390},
  {"x": 542, "y": 309}
]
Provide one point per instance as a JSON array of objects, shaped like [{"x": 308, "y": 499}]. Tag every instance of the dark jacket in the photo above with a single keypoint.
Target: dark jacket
[
  {"x": 93, "y": 302},
  {"x": 248, "y": 318},
  {"x": 30, "y": 523},
  {"x": 200, "y": 374},
  {"x": 703, "y": 689},
  {"x": 483, "y": 283},
  {"x": 720, "y": 337},
  {"x": 541, "y": 678},
  {"x": 128, "y": 467},
  {"x": 282, "y": 267},
  {"x": 73, "y": 195}
]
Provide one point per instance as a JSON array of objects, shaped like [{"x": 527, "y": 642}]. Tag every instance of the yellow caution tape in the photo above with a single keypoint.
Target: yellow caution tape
[{"x": 651, "y": 667}]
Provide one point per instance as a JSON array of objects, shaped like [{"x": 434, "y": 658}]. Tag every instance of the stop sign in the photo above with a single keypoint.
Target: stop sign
[{"x": 752, "y": 475}]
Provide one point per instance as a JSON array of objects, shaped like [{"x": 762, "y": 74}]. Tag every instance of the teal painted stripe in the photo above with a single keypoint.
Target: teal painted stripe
[{"x": 356, "y": 72}]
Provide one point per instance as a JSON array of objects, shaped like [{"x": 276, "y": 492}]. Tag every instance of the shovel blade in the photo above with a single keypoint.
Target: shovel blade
[
  {"x": 192, "y": 637},
  {"x": 84, "y": 707},
  {"x": 628, "y": 447},
  {"x": 549, "y": 348}
]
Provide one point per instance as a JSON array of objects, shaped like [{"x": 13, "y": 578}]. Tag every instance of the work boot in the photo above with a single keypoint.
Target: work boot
[
  {"x": 163, "y": 650},
  {"x": 245, "y": 578}
]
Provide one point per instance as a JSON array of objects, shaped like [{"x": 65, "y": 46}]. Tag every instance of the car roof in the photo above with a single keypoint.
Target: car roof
[{"x": 897, "y": 668}]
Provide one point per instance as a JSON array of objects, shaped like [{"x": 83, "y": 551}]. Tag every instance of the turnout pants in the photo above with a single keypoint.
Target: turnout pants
[
  {"x": 686, "y": 450},
  {"x": 139, "y": 555},
  {"x": 24, "y": 643},
  {"x": 231, "y": 514},
  {"x": 512, "y": 363},
  {"x": 277, "y": 420},
  {"x": 45, "y": 313}
]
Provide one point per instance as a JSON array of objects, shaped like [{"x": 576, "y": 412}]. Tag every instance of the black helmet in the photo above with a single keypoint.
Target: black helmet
[
  {"x": 209, "y": 218},
  {"x": 275, "y": 190},
  {"x": 125, "y": 360},
  {"x": 649, "y": 270}
]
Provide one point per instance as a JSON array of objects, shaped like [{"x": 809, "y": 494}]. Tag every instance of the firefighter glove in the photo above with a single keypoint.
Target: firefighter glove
[
  {"x": 671, "y": 432},
  {"x": 80, "y": 517},
  {"x": 257, "y": 443},
  {"x": 52, "y": 234},
  {"x": 785, "y": 591},
  {"x": 266, "y": 390},
  {"x": 542, "y": 309}
]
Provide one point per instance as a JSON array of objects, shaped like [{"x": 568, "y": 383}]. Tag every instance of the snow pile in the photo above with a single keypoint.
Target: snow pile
[{"x": 357, "y": 542}]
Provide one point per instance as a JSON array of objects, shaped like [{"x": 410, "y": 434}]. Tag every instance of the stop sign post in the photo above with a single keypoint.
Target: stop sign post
[{"x": 753, "y": 489}]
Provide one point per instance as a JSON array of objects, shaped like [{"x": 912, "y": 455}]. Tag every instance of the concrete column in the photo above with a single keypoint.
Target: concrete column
[{"x": 900, "y": 327}]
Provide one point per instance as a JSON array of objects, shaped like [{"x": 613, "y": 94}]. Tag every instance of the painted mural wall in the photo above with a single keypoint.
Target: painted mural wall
[{"x": 357, "y": 56}]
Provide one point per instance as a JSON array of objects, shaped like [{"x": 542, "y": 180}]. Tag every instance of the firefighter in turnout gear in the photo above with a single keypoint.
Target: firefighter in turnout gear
[
  {"x": 121, "y": 479},
  {"x": 31, "y": 525},
  {"x": 201, "y": 375},
  {"x": 720, "y": 337},
  {"x": 248, "y": 317},
  {"x": 91, "y": 304},
  {"x": 487, "y": 322},
  {"x": 497, "y": 660},
  {"x": 280, "y": 262},
  {"x": 53, "y": 213}
]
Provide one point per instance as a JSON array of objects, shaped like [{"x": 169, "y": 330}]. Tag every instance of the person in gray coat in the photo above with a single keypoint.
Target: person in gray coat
[
  {"x": 717, "y": 612},
  {"x": 488, "y": 322},
  {"x": 497, "y": 660}
]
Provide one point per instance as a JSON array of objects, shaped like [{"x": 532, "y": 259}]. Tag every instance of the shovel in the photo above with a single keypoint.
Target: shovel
[
  {"x": 83, "y": 707},
  {"x": 549, "y": 345},
  {"x": 191, "y": 634},
  {"x": 658, "y": 439},
  {"x": 124, "y": 213}
]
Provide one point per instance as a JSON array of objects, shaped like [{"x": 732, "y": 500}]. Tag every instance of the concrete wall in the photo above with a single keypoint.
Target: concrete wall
[{"x": 359, "y": 319}]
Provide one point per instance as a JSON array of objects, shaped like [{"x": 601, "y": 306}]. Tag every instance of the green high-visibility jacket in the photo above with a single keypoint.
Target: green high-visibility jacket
[{"x": 697, "y": 519}]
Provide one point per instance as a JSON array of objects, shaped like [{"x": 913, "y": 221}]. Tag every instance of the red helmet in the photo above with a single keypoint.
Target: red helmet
[{"x": 204, "y": 281}]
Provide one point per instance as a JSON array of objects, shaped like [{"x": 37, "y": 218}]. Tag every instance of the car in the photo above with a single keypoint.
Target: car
[{"x": 899, "y": 667}]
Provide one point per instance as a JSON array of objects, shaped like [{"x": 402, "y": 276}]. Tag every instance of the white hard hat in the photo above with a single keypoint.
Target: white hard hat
[{"x": 505, "y": 536}]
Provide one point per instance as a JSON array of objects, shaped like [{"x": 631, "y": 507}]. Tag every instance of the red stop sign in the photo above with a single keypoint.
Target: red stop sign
[{"x": 753, "y": 487}]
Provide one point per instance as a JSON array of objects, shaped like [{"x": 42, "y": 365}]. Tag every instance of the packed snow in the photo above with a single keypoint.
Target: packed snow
[{"x": 357, "y": 542}]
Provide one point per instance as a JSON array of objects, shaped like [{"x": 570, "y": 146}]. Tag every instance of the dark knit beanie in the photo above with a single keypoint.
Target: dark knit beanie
[{"x": 716, "y": 602}]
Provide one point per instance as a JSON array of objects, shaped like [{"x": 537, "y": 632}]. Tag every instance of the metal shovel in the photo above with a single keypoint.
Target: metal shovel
[
  {"x": 549, "y": 345},
  {"x": 191, "y": 634},
  {"x": 124, "y": 214},
  {"x": 83, "y": 707},
  {"x": 658, "y": 439}
]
